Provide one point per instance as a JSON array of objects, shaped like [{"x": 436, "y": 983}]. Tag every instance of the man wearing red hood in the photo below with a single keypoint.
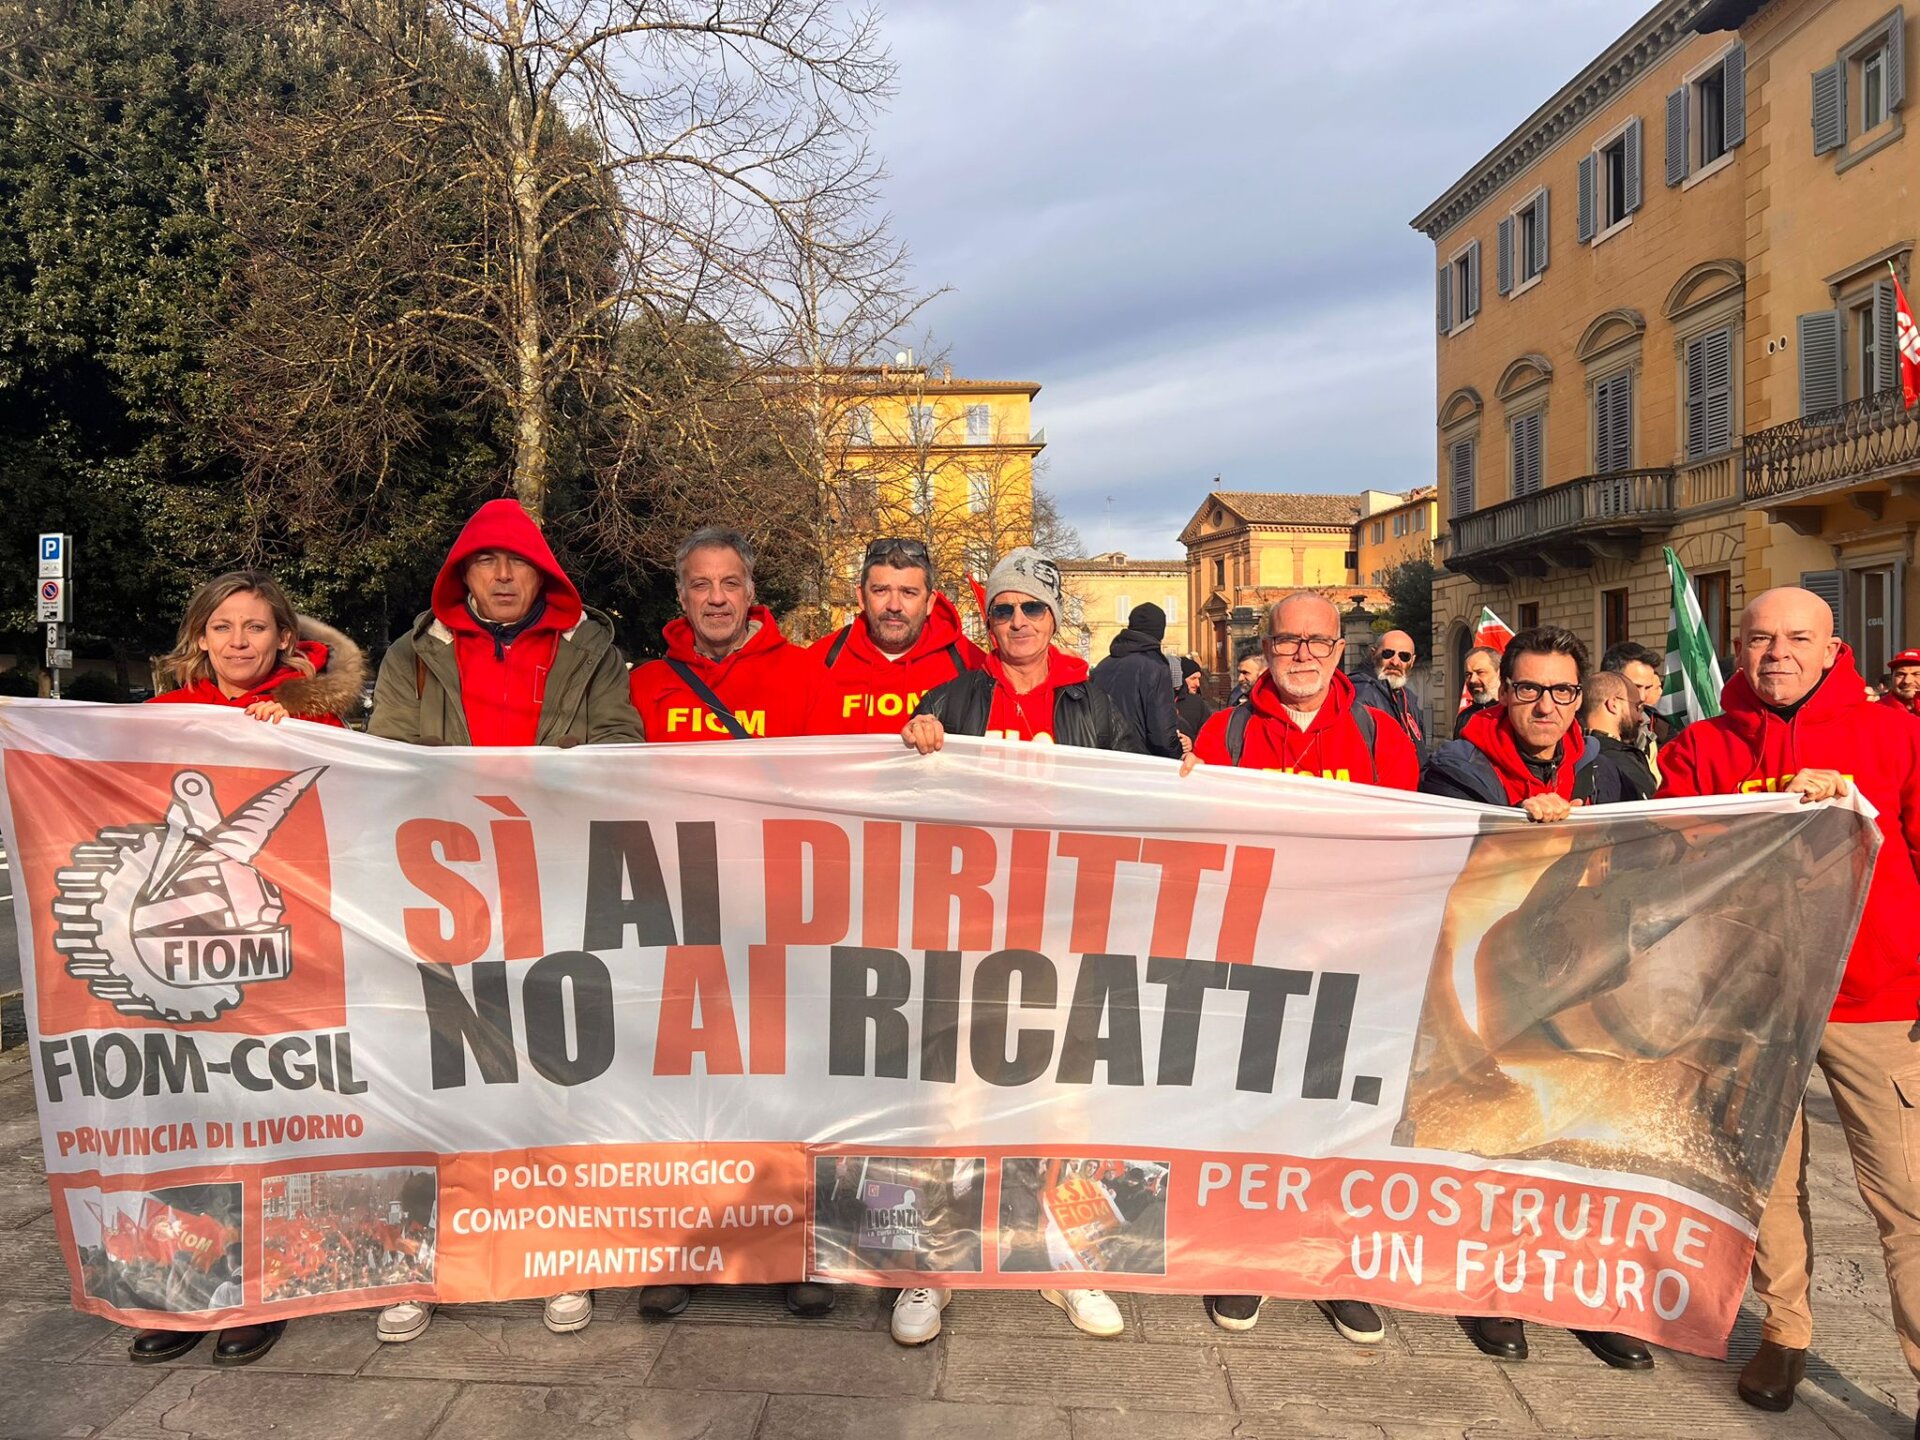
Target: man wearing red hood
[
  {"x": 1795, "y": 718},
  {"x": 1301, "y": 718},
  {"x": 729, "y": 673},
  {"x": 905, "y": 641},
  {"x": 507, "y": 655}
]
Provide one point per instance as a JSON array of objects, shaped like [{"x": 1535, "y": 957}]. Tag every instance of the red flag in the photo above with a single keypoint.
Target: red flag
[{"x": 1909, "y": 338}]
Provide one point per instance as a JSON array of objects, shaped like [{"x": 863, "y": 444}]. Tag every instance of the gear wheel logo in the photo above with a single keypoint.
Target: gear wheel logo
[{"x": 172, "y": 921}]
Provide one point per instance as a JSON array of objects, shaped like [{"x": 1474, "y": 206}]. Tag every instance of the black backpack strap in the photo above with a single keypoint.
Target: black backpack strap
[
  {"x": 704, "y": 694},
  {"x": 1237, "y": 731},
  {"x": 839, "y": 644},
  {"x": 1369, "y": 728},
  {"x": 953, "y": 654}
]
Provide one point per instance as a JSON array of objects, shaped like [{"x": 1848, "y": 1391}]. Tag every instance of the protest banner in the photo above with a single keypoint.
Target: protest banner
[{"x": 322, "y": 1022}]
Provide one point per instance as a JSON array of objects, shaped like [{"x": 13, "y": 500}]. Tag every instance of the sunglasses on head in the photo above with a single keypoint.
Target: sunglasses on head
[
  {"x": 914, "y": 549},
  {"x": 1406, "y": 655},
  {"x": 1032, "y": 609}
]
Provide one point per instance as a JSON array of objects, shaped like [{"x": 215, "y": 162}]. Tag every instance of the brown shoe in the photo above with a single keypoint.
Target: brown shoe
[{"x": 1769, "y": 1377}]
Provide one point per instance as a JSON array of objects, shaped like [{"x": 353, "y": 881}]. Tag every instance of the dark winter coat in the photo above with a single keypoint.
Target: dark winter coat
[
  {"x": 1635, "y": 776},
  {"x": 1082, "y": 713},
  {"x": 1137, "y": 679}
]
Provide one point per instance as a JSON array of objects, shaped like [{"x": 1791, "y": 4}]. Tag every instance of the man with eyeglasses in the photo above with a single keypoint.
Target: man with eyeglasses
[
  {"x": 728, "y": 674},
  {"x": 905, "y": 640},
  {"x": 1386, "y": 688},
  {"x": 1528, "y": 752},
  {"x": 1303, "y": 718},
  {"x": 1026, "y": 690},
  {"x": 1795, "y": 718}
]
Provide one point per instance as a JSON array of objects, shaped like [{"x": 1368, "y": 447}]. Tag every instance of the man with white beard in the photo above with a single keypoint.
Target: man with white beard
[{"x": 1386, "y": 688}]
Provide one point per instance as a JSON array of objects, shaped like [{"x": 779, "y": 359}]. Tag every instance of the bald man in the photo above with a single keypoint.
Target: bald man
[
  {"x": 1611, "y": 715},
  {"x": 1386, "y": 688},
  {"x": 1796, "y": 718}
]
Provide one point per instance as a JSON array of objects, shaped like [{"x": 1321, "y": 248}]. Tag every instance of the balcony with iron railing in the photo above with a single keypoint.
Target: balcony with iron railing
[
  {"x": 1861, "y": 451},
  {"x": 1567, "y": 526}
]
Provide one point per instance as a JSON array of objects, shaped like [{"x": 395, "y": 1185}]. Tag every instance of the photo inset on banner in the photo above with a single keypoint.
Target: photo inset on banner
[
  {"x": 179, "y": 1249},
  {"x": 897, "y": 1212},
  {"x": 334, "y": 1230},
  {"x": 1644, "y": 997},
  {"x": 1059, "y": 1213}
]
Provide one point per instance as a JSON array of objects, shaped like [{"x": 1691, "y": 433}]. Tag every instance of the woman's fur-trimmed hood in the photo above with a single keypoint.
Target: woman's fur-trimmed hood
[{"x": 337, "y": 688}]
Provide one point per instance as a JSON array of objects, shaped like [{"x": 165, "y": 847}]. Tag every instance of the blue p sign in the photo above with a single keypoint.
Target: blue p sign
[{"x": 49, "y": 547}]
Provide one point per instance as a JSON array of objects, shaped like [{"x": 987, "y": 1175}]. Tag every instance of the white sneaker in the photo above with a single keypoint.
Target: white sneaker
[
  {"x": 569, "y": 1312},
  {"x": 1091, "y": 1311},
  {"x": 403, "y": 1322},
  {"x": 916, "y": 1314}
]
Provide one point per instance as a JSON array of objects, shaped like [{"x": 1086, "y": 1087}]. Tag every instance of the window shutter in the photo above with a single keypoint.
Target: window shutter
[
  {"x": 1697, "y": 397},
  {"x": 1623, "y": 422},
  {"x": 1830, "y": 586},
  {"x": 1897, "y": 59},
  {"x": 1444, "y": 303},
  {"x": 1586, "y": 199},
  {"x": 1602, "y": 425},
  {"x": 1461, "y": 499},
  {"x": 1733, "y": 97},
  {"x": 1472, "y": 306},
  {"x": 1677, "y": 136},
  {"x": 1886, "y": 342},
  {"x": 1719, "y": 391},
  {"x": 1540, "y": 233},
  {"x": 1634, "y": 146},
  {"x": 1821, "y": 383},
  {"x": 1504, "y": 267},
  {"x": 1829, "y": 108},
  {"x": 1526, "y": 455}
]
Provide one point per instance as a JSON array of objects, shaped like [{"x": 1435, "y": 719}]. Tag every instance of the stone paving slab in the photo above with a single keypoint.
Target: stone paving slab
[
  {"x": 49, "y": 1400},
  {"x": 236, "y": 1405},
  {"x": 801, "y": 1362},
  {"x": 462, "y": 1346},
  {"x": 1381, "y": 1389},
  {"x": 544, "y": 1412},
  {"x": 1082, "y": 1371},
  {"x": 834, "y": 1417}
]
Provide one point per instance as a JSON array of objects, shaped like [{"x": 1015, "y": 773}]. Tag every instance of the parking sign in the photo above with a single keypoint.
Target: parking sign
[
  {"x": 54, "y": 598},
  {"x": 56, "y": 551}
]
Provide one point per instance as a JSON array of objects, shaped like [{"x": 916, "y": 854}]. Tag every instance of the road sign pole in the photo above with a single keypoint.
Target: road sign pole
[{"x": 54, "y": 592}]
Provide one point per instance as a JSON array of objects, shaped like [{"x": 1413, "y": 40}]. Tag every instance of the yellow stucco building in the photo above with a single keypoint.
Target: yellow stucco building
[
  {"x": 1101, "y": 590},
  {"x": 1387, "y": 534}
]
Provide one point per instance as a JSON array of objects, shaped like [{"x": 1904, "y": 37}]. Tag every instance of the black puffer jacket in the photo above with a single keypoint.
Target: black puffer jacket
[
  {"x": 1139, "y": 682},
  {"x": 1082, "y": 714}
]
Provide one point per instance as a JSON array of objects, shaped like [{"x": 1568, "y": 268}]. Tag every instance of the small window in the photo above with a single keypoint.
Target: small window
[
  {"x": 1400, "y": 524},
  {"x": 1122, "y": 607},
  {"x": 1710, "y": 104},
  {"x": 979, "y": 424},
  {"x": 1714, "y": 591},
  {"x": 860, "y": 425},
  {"x": 1861, "y": 378},
  {"x": 1351, "y": 559},
  {"x": 979, "y": 491},
  {"x": 1613, "y": 183},
  {"x": 1873, "y": 89},
  {"x": 1219, "y": 570},
  {"x": 920, "y": 424},
  {"x": 1613, "y": 618},
  {"x": 1528, "y": 242},
  {"x": 923, "y": 494},
  {"x": 1466, "y": 298},
  {"x": 1529, "y": 614},
  {"x": 1379, "y": 532},
  {"x": 1171, "y": 604}
]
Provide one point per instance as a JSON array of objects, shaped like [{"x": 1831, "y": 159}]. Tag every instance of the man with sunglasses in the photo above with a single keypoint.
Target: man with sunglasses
[
  {"x": 905, "y": 640},
  {"x": 1302, "y": 717},
  {"x": 1027, "y": 690},
  {"x": 1386, "y": 688},
  {"x": 1528, "y": 752}
]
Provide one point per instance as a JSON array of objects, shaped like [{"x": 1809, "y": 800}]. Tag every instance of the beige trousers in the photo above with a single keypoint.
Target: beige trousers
[{"x": 1874, "y": 1073}]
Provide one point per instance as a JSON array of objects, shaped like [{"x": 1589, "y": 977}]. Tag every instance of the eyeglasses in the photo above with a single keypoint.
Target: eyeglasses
[
  {"x": 912, "y": 549},
  {"x": 1318, "y": 646},
  {"x": 1406, "y": 655},
  {"x": 1003, "y": 612},
  {"x": 1529, "y": 691}
]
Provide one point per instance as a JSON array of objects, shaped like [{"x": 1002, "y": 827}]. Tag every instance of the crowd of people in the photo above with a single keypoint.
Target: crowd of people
[{"x": 508, "y": 654}]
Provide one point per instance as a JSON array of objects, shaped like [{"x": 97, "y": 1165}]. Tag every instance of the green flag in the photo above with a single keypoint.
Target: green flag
[{"x": 1691, "y": 686}]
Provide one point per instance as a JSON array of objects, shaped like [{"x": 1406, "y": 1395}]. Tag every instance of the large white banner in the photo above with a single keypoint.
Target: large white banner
[{"x": 321, "y": 1021}]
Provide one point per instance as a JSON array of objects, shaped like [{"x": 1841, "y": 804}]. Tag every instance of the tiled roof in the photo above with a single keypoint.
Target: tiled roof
[
  {"x": 1097, "y": 563},
  {"x": 1261, "y": 507}
]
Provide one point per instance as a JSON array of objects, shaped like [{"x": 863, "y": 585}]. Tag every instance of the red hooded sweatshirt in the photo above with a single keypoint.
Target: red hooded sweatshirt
[
  {"x": 208, "y": 692},
  {"x": 1749, "y": 747},
  {"x": 1331, "y": 746},
  {"x": 768, "y": 683},
  {"x": 1489, "y": 733},
  {"x": 503, "y": 679},
  {"x": 1905, "y": 707},
  {"x": 863, "y": 692}
]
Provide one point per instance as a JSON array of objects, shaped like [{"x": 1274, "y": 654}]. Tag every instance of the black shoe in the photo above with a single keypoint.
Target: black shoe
[
  {"x": 1355, "y": 1319},
  {"x": 153, "y": 1347},
  {"x": 1767, "y": 1381},
  {"x": 1502, "y": 1339},
  {"x": 244, "y": 1344},
  {"x": 1235, "y": 1312},
  {"x": 663, "y": 1302},
  {"x": 1622, "y": 1352},
  {"x": 805, "y": 1297}
]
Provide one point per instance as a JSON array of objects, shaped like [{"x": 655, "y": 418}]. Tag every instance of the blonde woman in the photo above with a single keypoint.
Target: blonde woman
[{"x": 242, "y": 646}]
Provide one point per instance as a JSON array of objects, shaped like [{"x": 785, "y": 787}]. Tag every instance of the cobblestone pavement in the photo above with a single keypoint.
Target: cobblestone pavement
[{"x": 737, "y": 1367}]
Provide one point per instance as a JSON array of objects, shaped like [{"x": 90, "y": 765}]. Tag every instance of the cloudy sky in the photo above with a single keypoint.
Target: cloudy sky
[{"x": 1188, "y": 223}]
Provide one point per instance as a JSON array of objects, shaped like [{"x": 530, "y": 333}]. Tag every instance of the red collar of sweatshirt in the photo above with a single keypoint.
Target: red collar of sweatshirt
[
  {"x": 864, "y": 693},
  {"x": 502, "y": 686},
  {"x": 1331, "y": 747},
  {"x": 767, "y": 683},
  {"x": 1490, "y": 734},
  {"x": 1751, "y": 747},
  {"x": 208, "y": 691}
]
